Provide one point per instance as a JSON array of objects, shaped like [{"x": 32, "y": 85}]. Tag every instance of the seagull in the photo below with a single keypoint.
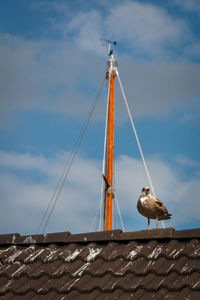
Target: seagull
[{"x": 151, "y": 207}]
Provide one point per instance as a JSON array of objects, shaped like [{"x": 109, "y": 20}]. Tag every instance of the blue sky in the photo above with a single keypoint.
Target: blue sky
[{"x": 52, "y": 63}]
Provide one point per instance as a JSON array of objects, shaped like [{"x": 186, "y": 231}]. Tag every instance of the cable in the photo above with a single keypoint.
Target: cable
[
  {"x": 119, "y": 212},
  {"x": 117, "y": 203},
  {"x": 68, "y": 165},
  {"x": 137, "y": 139},
  {"x": 100, "y": 206},
  {"x": 104, "y": 156}
]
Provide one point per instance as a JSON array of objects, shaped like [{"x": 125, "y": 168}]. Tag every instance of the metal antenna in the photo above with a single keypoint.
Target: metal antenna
[{"x": 109, "y": 43}]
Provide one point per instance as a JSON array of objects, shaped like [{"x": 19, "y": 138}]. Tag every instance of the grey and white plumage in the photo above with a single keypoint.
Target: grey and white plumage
[{"x": 151, "y": 207}]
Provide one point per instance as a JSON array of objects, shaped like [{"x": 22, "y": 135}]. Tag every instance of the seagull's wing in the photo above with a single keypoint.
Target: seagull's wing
[
  {"x": 158, "y": 204},
  {"x": 155, "y": 200},
  {"x": 160, "y": 208}
]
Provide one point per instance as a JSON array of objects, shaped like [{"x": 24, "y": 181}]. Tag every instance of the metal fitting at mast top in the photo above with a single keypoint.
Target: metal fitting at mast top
[{"x": 112, "y": 63}]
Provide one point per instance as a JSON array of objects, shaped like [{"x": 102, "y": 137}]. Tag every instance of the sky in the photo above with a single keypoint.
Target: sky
[{"x": 52, "y": 63}]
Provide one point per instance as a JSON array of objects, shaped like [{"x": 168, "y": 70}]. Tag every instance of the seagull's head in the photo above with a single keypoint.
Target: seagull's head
[{"x": 146, "y": 190}]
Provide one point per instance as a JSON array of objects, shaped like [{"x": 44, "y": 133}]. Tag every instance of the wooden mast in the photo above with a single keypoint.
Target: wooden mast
[{"x": 109, "y": 143}]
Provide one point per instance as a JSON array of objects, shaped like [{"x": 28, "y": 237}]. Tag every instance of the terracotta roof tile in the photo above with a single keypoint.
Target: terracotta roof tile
[{"x": 163, "y": 264}]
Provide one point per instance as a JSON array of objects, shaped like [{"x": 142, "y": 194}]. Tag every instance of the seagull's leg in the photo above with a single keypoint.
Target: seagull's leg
[
  {"x": 148, "y": 223},
  {"x": 157, "y": 223}
]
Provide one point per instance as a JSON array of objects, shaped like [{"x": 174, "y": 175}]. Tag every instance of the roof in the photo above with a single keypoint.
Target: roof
[{"x": 155, "y": 264}]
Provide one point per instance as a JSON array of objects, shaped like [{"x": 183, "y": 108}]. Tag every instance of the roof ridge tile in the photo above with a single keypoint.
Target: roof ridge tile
[{"x": 113, "y": 235}]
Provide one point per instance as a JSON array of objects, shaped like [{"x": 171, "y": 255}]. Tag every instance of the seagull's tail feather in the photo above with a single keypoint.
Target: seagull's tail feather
[{"x": 165, "y": 217}]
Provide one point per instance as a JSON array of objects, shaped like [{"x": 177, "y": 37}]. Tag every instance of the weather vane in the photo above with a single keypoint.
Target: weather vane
[{"x": 105, "y": 42}]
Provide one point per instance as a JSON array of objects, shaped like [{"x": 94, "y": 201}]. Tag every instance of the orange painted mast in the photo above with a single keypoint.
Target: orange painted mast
[{"x": 112, "y": 64}]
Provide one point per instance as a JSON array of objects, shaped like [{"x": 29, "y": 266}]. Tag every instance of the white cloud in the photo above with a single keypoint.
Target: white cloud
[
  {"x": 185, "y": 161},
  {"x": 192, "y": 117},
  {"x": 87, "y": 30},
  {"x": 189, "y": 5},
  {"x": 62, "y": 76},
  {"x": 44, "y": 75},
  {"x": 24, "y": 198},
  {"x": 32, "y": 78},
  {"x": 156, "y": 88},
  {"x": 193, "y": 50},
  {"x": 58, "y": 6},
  {"x": 146, "y": 27}
]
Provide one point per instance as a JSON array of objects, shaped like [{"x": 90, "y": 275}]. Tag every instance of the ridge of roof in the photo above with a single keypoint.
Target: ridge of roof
[{"x": 113, "y": 235}]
